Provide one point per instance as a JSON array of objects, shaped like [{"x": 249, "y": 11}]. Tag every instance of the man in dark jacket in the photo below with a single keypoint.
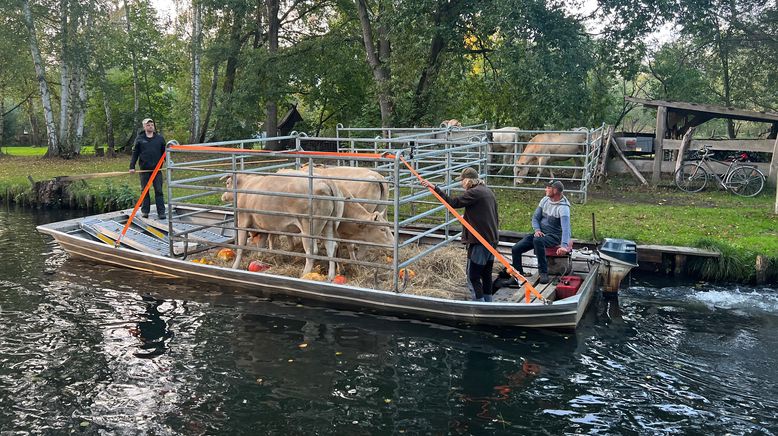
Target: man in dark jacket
[
  {"x": 481, "y": 212},
  {"x": 149, "y": 149}
]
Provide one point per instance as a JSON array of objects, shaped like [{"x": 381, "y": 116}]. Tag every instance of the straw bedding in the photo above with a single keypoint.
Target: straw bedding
[{"x": 440, "y": 273}]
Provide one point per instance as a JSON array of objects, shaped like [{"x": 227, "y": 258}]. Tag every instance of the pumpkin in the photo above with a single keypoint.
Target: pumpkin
[
  {"x": 257, "y": 266},
  {"x": 314, "y": 276},
  {"x": 226, "y": 254},
  {"x": 407, "y": 271},
  {"x": 339, "y": 280}
]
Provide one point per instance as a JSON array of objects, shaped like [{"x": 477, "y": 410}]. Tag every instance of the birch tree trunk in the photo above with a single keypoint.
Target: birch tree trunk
[
  {"x": 2, "y": 120},
  {"x": 65, "y": 77},
  {"x": 80, "y": 111},
  {"x": 378, "y": 59},
  {"x": 110, "y": 139},
  {"x": 33, "y": 118},
  {"x": 197, "y": 33},
  {"x": 271, "y": 107},
  {"x": 135, "y": 85},
  {"x": 40, "y": 75}
]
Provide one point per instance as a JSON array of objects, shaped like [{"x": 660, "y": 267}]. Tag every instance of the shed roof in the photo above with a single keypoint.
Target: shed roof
[{"x": 709, "y": 109}]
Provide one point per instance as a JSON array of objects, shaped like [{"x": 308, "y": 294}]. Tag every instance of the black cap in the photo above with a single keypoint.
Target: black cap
[{"x": 556, "y": 184}]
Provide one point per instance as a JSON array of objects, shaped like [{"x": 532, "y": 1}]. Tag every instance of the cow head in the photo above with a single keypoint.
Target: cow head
[
  {"x": 382, "y": 233},
  {"x": 227, "y": 196}
]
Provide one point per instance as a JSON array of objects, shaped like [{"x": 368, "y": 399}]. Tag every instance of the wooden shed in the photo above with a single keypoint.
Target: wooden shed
[{"x": 674, "y": 119}]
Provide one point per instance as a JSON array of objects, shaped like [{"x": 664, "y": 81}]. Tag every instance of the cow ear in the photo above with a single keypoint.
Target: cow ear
[{"x": 376, "y": 216}]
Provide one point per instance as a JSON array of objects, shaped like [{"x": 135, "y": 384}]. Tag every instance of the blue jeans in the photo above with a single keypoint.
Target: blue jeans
[
  {"x": 479, "y": 271},
  {"x": 539, "y": 245}
]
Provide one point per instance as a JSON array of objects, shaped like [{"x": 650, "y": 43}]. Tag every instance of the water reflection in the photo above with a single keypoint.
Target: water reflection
[
  {"x": 95, "y": 353},
  {"x": 153, "y": 331}
]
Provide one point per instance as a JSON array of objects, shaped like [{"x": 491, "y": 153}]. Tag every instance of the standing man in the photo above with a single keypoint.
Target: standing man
[
  {"x": 481, "y": 212},
  {"x": 149, "y": 149},
  {"x": 551, "y": 225}
]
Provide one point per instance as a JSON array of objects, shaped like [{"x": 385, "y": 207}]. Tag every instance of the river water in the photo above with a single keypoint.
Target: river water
[{"x": 93, "y": 349}]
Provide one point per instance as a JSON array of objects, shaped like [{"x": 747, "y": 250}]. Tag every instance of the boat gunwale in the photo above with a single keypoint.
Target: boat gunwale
[{"x": 570, "y": 310}]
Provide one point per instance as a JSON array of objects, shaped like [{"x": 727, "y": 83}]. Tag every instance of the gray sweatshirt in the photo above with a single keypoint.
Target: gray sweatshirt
[{"x": 553, "y": 218}]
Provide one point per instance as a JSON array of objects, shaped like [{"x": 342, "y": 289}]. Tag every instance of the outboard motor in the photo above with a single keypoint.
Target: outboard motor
[{"x": 618, "y": 257}]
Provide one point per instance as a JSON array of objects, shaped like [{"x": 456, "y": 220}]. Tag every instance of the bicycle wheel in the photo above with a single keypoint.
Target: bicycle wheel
[
  {"x": 691, "y": 177},
  {"x": 745, "y": 181}
]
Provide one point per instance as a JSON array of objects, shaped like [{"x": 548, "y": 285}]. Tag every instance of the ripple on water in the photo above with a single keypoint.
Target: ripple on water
[{"x": 107, "y": 350}]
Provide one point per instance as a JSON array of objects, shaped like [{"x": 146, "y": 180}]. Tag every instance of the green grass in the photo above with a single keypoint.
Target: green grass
[
  {"x": 24, "y": 151},
  {"x": 740, "y": 228},
  {"x": 38, "y": 151}
]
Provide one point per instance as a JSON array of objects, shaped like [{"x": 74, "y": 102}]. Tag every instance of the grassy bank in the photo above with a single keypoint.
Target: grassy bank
[{"x": 740, "y": 228}]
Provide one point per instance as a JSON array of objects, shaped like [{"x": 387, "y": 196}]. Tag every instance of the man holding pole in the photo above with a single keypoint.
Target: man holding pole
[
  {"x": 481, "y": 212},
  {"x": 148, "y": 150}
]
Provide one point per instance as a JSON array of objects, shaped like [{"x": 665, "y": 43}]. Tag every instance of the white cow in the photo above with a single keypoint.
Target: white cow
[
  {"x": 329, "y": 210},
  {"x": 543, "y": 149},
  {"x": 504, "y": 141},
  {"x": 361, "y": 184}
]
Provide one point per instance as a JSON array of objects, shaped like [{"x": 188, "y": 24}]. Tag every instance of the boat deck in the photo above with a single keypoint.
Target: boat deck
[{"x": 517, "y": 294}]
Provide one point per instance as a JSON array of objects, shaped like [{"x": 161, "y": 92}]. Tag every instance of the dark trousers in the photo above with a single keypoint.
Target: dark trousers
[
  {"x": 159, "y": 199},
  {"x": 539, "y": 245},
  {"x": 479, "y": 270}
]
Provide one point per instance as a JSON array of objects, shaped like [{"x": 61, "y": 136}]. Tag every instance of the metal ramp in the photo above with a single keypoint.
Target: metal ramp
[
  {"x": 108, "y": 231},
  {"x": 154, "y": 226}
]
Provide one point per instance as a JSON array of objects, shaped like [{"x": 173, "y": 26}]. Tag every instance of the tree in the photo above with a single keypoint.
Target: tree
[{"x": 40, "y": 75}]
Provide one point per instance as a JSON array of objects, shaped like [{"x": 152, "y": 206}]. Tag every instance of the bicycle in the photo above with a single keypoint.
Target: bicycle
[{"x": 743, "y": 180}]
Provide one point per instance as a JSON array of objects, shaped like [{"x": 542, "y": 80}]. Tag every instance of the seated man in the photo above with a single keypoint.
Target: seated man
[{"x": 551, "y": 223}]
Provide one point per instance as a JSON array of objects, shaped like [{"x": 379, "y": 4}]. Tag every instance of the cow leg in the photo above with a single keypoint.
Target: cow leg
[
  {"x": 309, "y": 247},
  {"x": 241, "y": 241},
  {"x": 578, "y": 162},
  {"x": 542, "y": 162},
  {"x": 331, "y": 247}
]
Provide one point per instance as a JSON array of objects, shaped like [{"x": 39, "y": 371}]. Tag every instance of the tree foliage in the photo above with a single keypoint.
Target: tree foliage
[{"x": 531, "y": 64}]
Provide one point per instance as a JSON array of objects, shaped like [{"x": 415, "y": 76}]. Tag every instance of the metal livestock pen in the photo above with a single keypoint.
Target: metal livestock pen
[
  {"x": 195, "y": 183},
  {"x": 502, "y": 154}
]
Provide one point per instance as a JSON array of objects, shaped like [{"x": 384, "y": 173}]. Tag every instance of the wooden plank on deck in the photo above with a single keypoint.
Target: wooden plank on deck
[{"x": 513, "y": 295}]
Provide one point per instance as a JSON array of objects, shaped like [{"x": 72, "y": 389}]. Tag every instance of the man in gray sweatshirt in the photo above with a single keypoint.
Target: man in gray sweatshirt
[{"x": 551, "y": 226}]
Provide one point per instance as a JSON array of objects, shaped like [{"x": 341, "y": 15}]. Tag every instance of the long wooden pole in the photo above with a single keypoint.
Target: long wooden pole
[
  {"x": 687, "y": 139},
  {"x": 661, "y": 126},
  {"x": 772, "y": 177}
]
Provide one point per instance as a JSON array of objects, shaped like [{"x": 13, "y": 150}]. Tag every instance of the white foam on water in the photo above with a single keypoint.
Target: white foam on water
[{"x": 748, "y": 301}]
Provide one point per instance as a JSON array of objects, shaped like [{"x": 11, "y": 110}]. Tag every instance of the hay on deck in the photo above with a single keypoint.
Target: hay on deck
[{"x": 438, "y": 274}]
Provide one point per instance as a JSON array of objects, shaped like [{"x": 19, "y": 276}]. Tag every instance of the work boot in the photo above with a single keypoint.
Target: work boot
[
  {"x": 145, "y": 215},
  {"x": 162, "y": 217},
  {"x": 544, "y": 278}
]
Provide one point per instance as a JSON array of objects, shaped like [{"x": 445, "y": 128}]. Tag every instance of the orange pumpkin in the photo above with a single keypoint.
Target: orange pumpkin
[
  {"x": 407, "y": 271},
  {"x": 339, "y": 280},
  {"x": 314, "y": 276},
  {"x": 225, "y": 254},
  {"x": 257, "y": 266}
]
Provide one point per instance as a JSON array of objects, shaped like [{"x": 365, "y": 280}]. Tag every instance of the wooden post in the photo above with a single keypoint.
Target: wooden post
[
  {"x": 604, "y": 156},
  {"x": 628, "y": 163},
  {"x": 772, "y": 178},
  {"x": 687, "y": 139},
  {"x": 680, "y": 265},
  {"x": 661, "y": 126},
  {"x": 761, "y": 269}
]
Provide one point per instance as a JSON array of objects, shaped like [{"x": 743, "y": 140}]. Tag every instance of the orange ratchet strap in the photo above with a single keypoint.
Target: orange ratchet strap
[{"x": 529, "y": 289}]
